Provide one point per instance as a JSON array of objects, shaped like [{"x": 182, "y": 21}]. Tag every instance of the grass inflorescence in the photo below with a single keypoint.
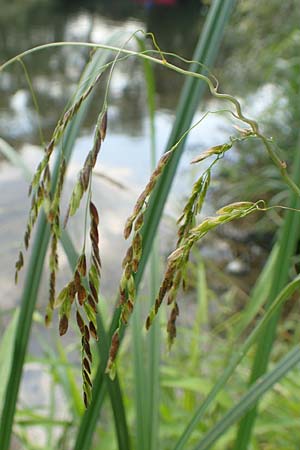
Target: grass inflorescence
[{"x": 83, "y": 289}]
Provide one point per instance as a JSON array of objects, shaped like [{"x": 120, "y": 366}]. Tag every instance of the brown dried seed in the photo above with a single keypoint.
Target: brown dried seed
[
  {"x": 48, "y": 320},
  {"x": 129, "y": 305},
  {"x": 96, "y": 255},
  {"x": 176, "y": 308},
  {"x": 81, "y": 293},
  {"x": 135, "y": 265},
  {"x": 93, "y": 291},
  {"x": 93, "y": 330},
  {"x": 97, "y": 263},
  {"x": 137, "y": 243},
  {"x": 174, "y": 314},
  {"x": 87, "y": 378},
  {"x": 92, "y": 304},
  {"x": 139, "y": 222},
  {"x": 148, "y": 323},
  {"x": 94, "y": 213},
  {"x": 49, "y": 148},
  {"x": 171, "y": 297},
  {"x": 77, "y": 280},
  {"x": 86, "y": 333},
  {"x": 27, "y": 238},
  {"x": 128, "y": 227},
  {"x": 84, "y": 177},
  {"x": 80, "y": 322},
  {"x": 150, "y": 186},
  {"x": 63, "y": 325},
  {"x": 86, "y": 365},
  {"x": 19, "y": 264},
  {"x": 140, "y": 202},
  {"x": 71, "y": 290},
  {"x": 85, "y": 399},
  {"x": 165, "y": 157},
  {"x": 171, "y": 329},
  {"x": 103, "y": 126},
  {"x": 94, "y": 233},
  {"x": 96, "y": 146},
  {"x": 115, "y": 342},
  {"x": 87, "y": 349},
  {"x": 81, "y": 265},
  {"x": 128, "y": 256},
  {"x": 157, "y": 305},
  {"x": 52, "y": 288},
  {"x": 51, "y": 216},
  {"x": 128, "y": 271},
  {"x": 122, "y": 296}
]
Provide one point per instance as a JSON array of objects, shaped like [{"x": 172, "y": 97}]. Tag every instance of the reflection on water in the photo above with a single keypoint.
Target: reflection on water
[{"x": 54, "y": 72}]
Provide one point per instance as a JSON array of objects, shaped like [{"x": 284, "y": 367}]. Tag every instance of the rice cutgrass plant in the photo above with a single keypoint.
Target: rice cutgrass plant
[
  {"x": 187, "y": 234},
  {"x": 82, "y": 291}
]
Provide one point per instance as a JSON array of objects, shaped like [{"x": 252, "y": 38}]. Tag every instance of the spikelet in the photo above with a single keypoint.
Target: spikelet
[
  {"x": 188, "y": 235},
  {"x": 130, "y": 264},
  {"x": 85, "y": 174}
]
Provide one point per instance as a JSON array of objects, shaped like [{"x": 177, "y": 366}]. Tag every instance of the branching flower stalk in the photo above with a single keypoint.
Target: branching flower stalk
[{"x": 83, "y": 289}]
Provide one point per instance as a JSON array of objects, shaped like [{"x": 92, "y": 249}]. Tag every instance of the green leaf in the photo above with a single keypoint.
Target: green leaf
[
  {"x": 263, "y": 385},
  {"x": 238, "y": 355},
  {"x": 6, "y": 352},
  {"x": 61, "y": 297},
  {"x": 75, "y": 198}
]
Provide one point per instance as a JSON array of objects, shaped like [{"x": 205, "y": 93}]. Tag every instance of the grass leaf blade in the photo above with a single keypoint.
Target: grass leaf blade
[{"x": 263, "y": 385}]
